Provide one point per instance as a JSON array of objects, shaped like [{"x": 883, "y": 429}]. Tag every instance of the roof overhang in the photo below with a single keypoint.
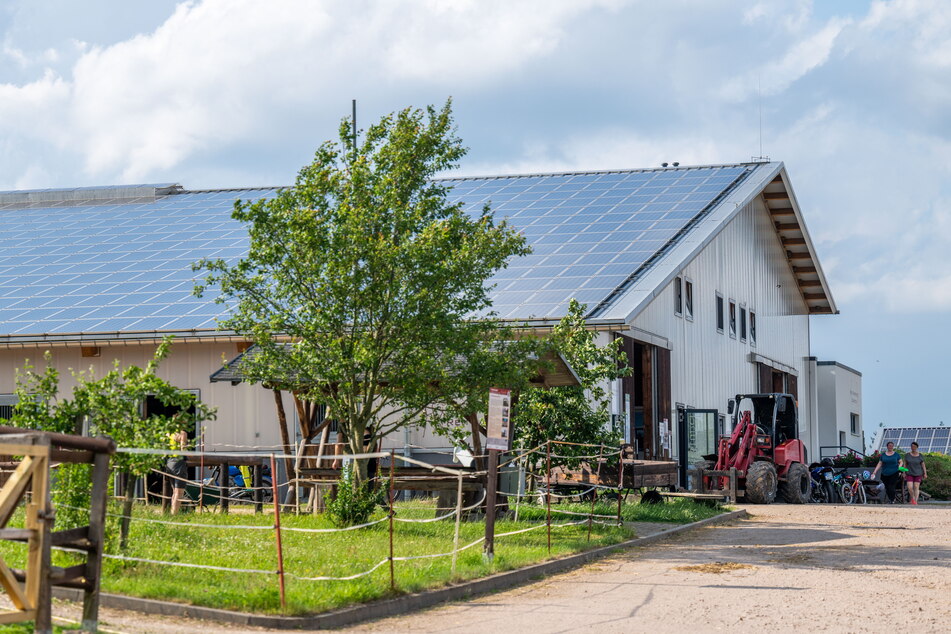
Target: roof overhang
[
  {"x": 780, "y": 201},
  {"x": 766, "y": 178},
  {"x": 554, "y": 371}
]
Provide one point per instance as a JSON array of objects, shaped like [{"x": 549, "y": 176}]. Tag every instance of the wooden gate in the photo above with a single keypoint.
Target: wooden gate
[{"x": 29, "y": 590}]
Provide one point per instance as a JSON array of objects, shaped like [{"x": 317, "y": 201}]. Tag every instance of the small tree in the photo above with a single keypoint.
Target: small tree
[
  {"x": 114, "y": 407},
  {"x": 111, "y": 406},
  {"x": 577, "y": 414},
  {"x": 361, "y": 282}
]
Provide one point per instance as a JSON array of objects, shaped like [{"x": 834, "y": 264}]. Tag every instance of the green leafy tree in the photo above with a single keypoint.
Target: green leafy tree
[
  {"x": 111, "y": 406},
  {"x": 362, "y": 280},
  {"x": 577, "y": 414}
]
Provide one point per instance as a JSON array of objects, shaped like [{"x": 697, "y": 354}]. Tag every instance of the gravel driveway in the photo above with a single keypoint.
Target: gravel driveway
[
  {"x": 814, "y": 568},
  {"x": 785, "y": 569}
]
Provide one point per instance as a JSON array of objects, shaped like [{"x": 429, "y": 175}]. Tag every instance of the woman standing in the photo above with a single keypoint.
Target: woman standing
[
  {"x": 889, "y": 463},
  {"x": 917, "y": 471}
]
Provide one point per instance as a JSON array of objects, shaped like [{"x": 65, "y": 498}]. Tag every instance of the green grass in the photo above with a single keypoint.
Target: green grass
[
  {"x": 677, "y": 511},
  {"x": 338, "y": 554}
]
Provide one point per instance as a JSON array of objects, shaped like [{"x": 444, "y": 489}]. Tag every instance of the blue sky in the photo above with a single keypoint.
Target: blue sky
[{"x": 854, "y": 96}]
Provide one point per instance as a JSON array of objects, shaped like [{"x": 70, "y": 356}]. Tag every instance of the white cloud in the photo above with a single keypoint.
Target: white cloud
[
  {"x": 776, "y": 76},
  {"x": 220, "y": 71}
]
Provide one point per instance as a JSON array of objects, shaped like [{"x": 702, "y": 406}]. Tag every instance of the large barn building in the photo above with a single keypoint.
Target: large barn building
[{"x": 707, "y": 273}]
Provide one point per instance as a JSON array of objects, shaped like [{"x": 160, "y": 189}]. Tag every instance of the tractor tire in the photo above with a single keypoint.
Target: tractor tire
[
  {"x": 761, "y": 483},
  {"x": 797, "y": 489}
]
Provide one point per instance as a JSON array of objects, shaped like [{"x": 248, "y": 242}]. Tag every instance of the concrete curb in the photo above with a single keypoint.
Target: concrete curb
[{"x": 390, "y": 607}]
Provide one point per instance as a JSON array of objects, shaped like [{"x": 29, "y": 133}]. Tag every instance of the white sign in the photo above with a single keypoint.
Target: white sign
[{"x": 499, "y": 423}]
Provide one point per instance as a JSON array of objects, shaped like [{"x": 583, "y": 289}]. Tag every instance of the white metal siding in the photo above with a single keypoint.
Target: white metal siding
[
  {"x": 746, "y": 263},
  {"x": 247, "y": 414},
  {"x": 840, "y": 395}
]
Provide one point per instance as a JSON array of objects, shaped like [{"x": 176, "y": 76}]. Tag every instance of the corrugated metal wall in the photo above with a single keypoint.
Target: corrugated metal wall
[
  {"x": 745, "y": 263},
  {"x": 247, "y": 414}
]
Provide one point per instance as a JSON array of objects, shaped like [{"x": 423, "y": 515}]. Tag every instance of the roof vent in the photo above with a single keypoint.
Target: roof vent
[{"x": 92, "y": 195}]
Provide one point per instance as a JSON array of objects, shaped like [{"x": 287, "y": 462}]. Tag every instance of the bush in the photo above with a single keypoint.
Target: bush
[
  {"x": 872, "y": 459},
  {"x": 848, "y": 459},
  {"x": 938, "y": 484},
  {"x": 354, "y": 503}
]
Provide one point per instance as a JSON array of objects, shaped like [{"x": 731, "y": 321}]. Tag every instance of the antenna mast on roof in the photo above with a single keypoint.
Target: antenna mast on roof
[{"x": 759, "y": 100}]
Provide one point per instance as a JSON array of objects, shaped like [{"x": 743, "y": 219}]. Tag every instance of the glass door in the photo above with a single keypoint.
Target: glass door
[{"x": 698, "y": 438}]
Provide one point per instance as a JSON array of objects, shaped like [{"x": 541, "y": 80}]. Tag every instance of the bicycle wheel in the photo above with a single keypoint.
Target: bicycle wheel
[
  {"x": 846, "y": 493},
  {"x": 862, "y": 498}
]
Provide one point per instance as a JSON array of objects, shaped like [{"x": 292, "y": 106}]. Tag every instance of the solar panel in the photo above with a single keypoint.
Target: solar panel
[
  {"x": 929, "y": 439},
  {"x": 114, "y": 264},
  {"x": 584, "y": 226}
]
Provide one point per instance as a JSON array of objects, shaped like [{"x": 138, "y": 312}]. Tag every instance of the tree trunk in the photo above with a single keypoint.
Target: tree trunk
[
  {"x": 286, "y": 441},
  {"x": 127, "y": 510}
]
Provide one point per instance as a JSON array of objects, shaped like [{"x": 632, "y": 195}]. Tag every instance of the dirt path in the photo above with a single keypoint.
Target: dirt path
[{"x": 787, "y": 568}]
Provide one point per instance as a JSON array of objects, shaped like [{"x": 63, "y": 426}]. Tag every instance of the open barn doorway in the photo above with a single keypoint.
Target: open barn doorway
[
  {"x": 645, "y": 398},
  {"x": 154, "y": 407}
]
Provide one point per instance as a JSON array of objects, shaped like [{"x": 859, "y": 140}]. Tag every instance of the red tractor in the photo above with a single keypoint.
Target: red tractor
[{"x": 765, "y": 449}]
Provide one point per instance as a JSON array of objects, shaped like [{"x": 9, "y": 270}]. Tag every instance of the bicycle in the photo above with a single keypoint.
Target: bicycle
[{"x": 852, "y": 490}]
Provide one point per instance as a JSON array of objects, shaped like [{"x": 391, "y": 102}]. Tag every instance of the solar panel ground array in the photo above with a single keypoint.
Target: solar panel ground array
[
  {"x": 125, "y": 265},
  {"x": 929, "y": 439}
]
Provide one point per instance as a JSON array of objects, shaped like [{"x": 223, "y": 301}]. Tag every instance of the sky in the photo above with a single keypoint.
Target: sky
[{"x": 854, "y": 96}]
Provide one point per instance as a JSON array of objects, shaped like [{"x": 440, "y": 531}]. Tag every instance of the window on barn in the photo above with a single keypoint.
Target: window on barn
[
  {"x": 733, "y": 319},
  {"x": 752, "y": 328},
  {"x": 719, "y": 313},
  {"x": 688, "y": 299},
  {"x": 742, "y": 323},
  {"x": 678, "y": 296},
  {"x": 7, "y": 402}
]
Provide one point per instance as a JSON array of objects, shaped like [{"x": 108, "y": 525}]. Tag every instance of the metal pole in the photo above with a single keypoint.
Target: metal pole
[
  {"x": 548, "y": 490},
  {"x": 491, "y": 489},
  {"x": 201, "y": 473},
  {"x": 455, "y": 537},
  {"x": 620, "y": 484},
  {"x": 390, "y": 495},
  {"x": 277, "y": 533},
  {"x": 594, "y": 498},
  {"x": 354, "y": 125}
]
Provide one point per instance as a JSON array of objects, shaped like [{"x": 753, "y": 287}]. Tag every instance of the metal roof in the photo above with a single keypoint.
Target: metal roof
[{"x": 113, "y": 262}]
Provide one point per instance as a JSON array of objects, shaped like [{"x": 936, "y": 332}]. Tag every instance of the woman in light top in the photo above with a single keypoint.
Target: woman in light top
[{"x": 917, "y": 471}]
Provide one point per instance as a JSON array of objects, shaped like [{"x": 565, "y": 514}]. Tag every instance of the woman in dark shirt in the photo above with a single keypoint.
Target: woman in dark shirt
[
  {"x": 889, "y": 463},
  {"x": 917, "y": 471}
]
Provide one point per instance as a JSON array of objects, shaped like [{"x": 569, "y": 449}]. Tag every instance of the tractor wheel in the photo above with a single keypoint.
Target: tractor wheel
[
  {"x": 761, "y": 483},
  {"x": 797, "y": 489}
]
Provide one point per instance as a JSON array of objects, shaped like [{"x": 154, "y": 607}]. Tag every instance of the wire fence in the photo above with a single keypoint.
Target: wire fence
[{"x": 392, "y": 517}]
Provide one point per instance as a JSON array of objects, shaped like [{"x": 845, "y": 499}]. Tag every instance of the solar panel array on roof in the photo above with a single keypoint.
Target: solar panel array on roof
[
  {"x": 120, "y": 265},
  {"x": 589, "y": 231},
  {"x": 929, "y": 439},
  {"x": 72, "y": 263}
]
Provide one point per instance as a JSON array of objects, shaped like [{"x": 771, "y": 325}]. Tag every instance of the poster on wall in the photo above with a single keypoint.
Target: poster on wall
[
  {"x": 665, "y": 435},
  {"x": 499, "y": 421}
]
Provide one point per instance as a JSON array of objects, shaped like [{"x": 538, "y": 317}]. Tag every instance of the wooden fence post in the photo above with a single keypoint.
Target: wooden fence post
[
  {"x": 548, "y": 491},
  {"x": 390, "y": 496},
  {"x": 224, "y": 488},
  {"x": 277, "y": 535},
  {"x": 455, "y": 537},
  {"x": 96, "y": 538}
]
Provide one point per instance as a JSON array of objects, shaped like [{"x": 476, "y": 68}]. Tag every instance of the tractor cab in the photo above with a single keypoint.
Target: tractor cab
[{"x": 774, "y": 416}]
